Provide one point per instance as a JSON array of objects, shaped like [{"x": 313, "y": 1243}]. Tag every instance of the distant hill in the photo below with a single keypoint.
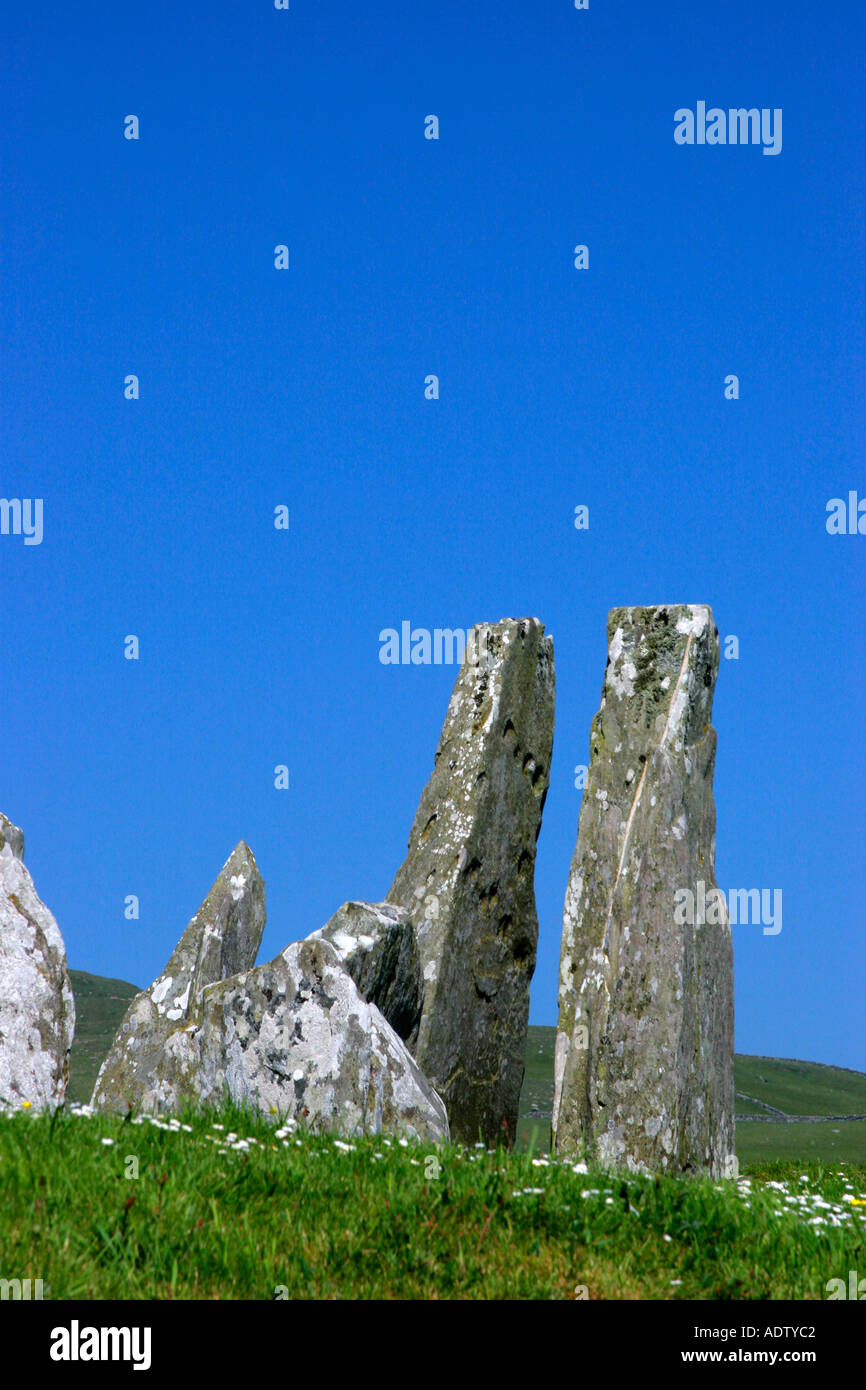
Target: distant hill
[
  {"x": 100, "y": 1004},
  {"x": 769, "y": 1089},
  {"x": 765, "y": 1084}
]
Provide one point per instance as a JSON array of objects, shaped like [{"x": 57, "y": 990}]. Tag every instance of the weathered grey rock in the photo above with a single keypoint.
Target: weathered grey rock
[
  {"x": 11, "y": 835},
  {"x": 295, "y": 1038},
  {"x": 376, "y": 946},
  {"x": 468, "y": 878},
  {"x": 37, "y": 1013},
  {"x": 222, "y": 939},
  {"x": 644, "y": 1048}
]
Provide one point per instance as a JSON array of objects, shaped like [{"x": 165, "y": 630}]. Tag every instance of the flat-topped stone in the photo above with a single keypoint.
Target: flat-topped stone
[{"x": 644, "y": 1048}]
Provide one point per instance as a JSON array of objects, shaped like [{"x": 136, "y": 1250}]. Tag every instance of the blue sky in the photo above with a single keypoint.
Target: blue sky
[{"x": 558, "y": 387}]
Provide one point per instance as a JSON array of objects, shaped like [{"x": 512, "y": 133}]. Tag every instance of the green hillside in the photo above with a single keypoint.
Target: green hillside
[
  {"x": 797, "y": 1088},
  {"x": 537, "y": 1093},
  {"x": 100, "y": 1004}
]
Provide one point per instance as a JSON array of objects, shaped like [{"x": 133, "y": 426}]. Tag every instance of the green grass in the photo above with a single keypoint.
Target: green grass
[
  {"x": 316, "y": 1221},
  {"x": 826, "y": 1142},
  {"x": 303, "y": 1218}
]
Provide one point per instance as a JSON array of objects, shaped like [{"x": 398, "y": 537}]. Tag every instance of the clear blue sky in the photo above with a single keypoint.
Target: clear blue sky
[{"x": 306, "y": 387}]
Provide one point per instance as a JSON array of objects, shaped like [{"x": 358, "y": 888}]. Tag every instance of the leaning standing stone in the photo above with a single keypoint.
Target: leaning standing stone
[
  {"x": 377, "y": 947},
  {"x": 222, "y": 939},
  {"x": 468, "y": 877},
  {"x": 37, "y": 1013},
  {"x": 645, "y": 1043},
  {"x": 296, "y": 1040}
]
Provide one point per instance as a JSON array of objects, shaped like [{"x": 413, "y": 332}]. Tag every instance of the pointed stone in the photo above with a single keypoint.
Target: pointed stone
[
  {"x": 37, "y": 1013},
  {"x": 376, "y": 946},
  {"x": 644, "y": 1048},
  {"x": 222, "y": 939},
  {"x": 296, "y": 1040},
  {"x": 13, "y": 837},
  {"x": 468, "y": 877}
]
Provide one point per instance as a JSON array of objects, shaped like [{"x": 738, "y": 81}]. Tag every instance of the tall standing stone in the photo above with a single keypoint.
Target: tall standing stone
[
  {"x": 222, "y": 940},
  {"x": 645, "y": 1043},
  {"x": 37, "y": 1013},
  {"x": 468, "y": 877}
]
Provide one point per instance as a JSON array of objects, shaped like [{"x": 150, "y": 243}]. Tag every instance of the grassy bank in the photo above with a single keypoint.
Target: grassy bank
[{"x": 98, "y": 1207}]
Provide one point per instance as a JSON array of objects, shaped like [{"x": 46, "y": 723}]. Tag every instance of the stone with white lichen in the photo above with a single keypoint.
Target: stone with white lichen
[
  {"x": 296, "y": 1040},
  {"x": 37, "y": 1013},
  {"x": 468, "y": 877},
  {"x": 222, "y": 939},
  {"x": 377, "y": 947},
  {"x": 644, "y": 1047}
]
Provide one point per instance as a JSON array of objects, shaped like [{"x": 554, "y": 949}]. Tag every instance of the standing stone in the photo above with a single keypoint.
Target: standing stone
[
  {"x": 296, "y": 1039},
  {"x": 222, "y": 939},
  {"x": 468, "y": 877},
  {"x": 37, "y": 1013},
  {"x": 376, "y": 946},
  {"x": 645, "y": 1043}
]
